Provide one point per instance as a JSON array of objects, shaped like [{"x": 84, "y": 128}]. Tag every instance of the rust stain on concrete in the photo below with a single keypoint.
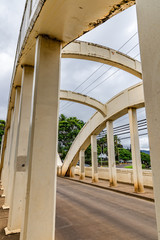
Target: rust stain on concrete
[{"x": 115, "y": 10}]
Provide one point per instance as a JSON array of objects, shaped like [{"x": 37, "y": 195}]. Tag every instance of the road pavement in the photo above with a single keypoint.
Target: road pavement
[{"x": 89, "y": 213}]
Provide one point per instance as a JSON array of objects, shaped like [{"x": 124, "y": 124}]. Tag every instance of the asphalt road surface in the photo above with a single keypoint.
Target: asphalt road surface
[{"x": 89, "y": 213}]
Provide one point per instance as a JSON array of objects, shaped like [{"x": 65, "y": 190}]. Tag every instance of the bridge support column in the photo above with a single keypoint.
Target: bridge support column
[
  {"x": 94, "y": 158},
  {"x": 136, "y": 157},
  {"x": 19, "y": 182},
  {"x": 149, "y": 33},
  {"x": 12, "y": 150},
  {"x": 42, "y": 151},
  {"x": 5, "y": 164},
  {"x": 111, "y": 154},
  {"x": 82, "y": 163},
  {"x": 71, "y": 172},
  {"x": 5, "y": 170}
]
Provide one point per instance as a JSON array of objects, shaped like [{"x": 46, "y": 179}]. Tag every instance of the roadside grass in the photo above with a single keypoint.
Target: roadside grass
[{"x": 130, "y": 167}]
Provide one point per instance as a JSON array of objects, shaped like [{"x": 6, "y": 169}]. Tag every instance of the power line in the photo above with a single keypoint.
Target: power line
[
  {"x": 128, "y": 41},
  {"x": 125, "y": 129},
  {"x": 140, "y": 135},
  {"x": 132, "y": 48}
]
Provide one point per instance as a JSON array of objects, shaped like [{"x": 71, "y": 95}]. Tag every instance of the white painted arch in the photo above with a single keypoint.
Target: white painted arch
[
  {"x": 98, "y": 53},
  {"x": 83, "y": 99},
  {"x": 116, "y": 107}
]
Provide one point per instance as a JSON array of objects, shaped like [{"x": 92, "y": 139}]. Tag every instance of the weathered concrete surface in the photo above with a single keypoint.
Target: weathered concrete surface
[{"x": 84, "y": 212}]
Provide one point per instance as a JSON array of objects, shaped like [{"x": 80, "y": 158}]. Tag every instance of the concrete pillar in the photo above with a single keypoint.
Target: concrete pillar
[
  {"x": 19, "y": 181},
  {"x": 5, "y": 170},
  {"x": 5, "y": 164},
  {"x": 1, "y": 145},
  {"x": 149, "y": 35},
  {"x": 136, "y": 157},
  {"x": 12, "y": 150},
  {"x": 71, "y": 172},
  {"x": 39, "y": 220},
  {"x": 111, "y": 154},
  {"x": 94, "y": 158},
  {"x": 82, "y": 164}
]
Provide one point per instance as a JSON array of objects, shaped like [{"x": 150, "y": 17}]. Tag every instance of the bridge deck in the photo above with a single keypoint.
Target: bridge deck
[{"x": 88, "y": 213}]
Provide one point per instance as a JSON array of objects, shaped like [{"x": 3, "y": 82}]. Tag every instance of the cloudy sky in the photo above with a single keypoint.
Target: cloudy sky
[{"x": 100, "y": 81}]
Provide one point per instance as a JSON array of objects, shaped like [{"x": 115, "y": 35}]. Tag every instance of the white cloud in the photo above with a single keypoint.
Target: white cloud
[{"x": 144, "y": 143}]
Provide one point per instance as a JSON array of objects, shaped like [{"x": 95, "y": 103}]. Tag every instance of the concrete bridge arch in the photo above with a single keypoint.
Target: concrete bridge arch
[
  {"x": 98, "y": 53},
  {"x": 118, "y": 106}
]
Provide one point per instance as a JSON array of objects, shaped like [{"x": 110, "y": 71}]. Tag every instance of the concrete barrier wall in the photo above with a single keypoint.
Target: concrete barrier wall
[{"x": 123, "y": 175}]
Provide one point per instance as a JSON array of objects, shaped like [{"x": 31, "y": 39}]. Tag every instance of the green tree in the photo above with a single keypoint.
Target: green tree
[
  {"x": 145, "y": 159},
  {"x": 117, "y": 145},
  {"x": 68, "y": 130},
  {"x": 2, "y": 128},
  {"x": 124, "y": 154},
  {"x": 88, "y": 155}
]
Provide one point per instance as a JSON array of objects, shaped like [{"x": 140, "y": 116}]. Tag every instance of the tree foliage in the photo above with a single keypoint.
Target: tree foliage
[
  {"x": 68, "y": 130},
  {"x": 145, "y": 159},
  {"x": 124, "y": 154},
  {"x": 2, "y": 127}
]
